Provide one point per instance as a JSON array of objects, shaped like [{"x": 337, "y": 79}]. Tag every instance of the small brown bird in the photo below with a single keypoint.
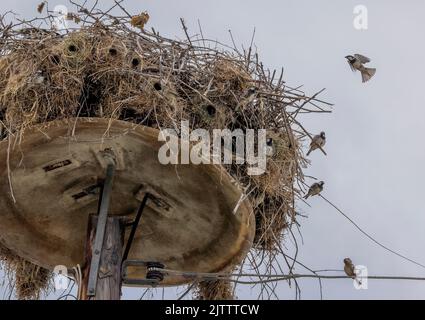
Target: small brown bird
[
  {"x": 249, "y": 96},
  {"x": 140, "y": 20},
  {"x": 350, "y": 270},
  {"x": 357, "y": 62},
  {"x": 41, "y": 6},
  {"x": 270, "y": 150},
  {"x": 318, "y": 142},
  {"x": 315, "y": 189}
]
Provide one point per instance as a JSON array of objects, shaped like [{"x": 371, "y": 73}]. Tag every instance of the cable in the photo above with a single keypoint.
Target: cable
[
  {"x": 187, "y": 291},
  {"x": 294, "y": 276},
  {"x": 273, "y": 277},
  {"x": 370, "y": 237}
]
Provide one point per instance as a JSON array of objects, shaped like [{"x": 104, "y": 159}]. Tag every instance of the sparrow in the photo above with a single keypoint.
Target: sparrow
[
  {"x": 40, "y": 7},
  {"x": 357, "y": 62},
  {"x": 270, "y": 148},
  {"x": 317, "y": 142},
  {"x": 249, "y": 96},
  {"x": 315, "y": 189},
  {"x": 140, "y": 20},
  {"x": 350, "y": 270}
]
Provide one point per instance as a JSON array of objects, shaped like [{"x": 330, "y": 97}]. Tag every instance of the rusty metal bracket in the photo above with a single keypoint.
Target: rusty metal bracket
[{"x": 153, "y": 273}]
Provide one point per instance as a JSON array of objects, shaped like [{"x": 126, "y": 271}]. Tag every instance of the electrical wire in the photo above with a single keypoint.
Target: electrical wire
[
  {"x": 370, "y": 237},
  {"x": 272, "y": 277}
]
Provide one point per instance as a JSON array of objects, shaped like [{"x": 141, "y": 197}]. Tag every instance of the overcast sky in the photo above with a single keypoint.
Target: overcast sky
[{"x": 374, "y": 170}]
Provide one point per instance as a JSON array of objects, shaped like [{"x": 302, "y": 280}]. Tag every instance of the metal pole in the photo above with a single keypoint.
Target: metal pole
[
  {"x": 134, "y": 226},
  {"x": 100, "y": 229}
]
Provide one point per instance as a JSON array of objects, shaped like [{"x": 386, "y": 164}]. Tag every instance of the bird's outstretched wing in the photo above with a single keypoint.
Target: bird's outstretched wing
[{"x": 362, "y": 58}]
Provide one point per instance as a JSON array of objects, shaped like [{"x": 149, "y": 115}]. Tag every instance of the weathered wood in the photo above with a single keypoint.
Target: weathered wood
[{"x": 109, "y": 278}]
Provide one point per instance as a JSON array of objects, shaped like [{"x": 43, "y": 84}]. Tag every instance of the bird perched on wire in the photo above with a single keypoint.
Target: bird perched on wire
[
  {"x": 315, "y": 189},
  {"x": 317, "y": 142},
  {"x": 357, "y": 62},
  {"x": 350, "y": 270}
]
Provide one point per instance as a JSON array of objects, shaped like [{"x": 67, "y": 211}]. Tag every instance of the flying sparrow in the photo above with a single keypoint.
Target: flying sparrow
[{"x": 357, "y": 62}]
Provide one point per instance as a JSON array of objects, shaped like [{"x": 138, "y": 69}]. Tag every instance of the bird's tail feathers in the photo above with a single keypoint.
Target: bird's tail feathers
[{"x": 368, "y": 73}]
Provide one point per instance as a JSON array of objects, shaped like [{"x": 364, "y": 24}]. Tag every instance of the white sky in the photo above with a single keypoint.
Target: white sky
[{"x": 374, "y": 168}]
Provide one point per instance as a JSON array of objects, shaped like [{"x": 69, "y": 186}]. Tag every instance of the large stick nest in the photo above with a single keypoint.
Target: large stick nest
[{"x": 111, "y": 67}]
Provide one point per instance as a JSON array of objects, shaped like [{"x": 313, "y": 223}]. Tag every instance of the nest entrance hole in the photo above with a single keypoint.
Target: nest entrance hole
[
  {"x": 211, "y": 110},
  {"x": 90, "y": 98},
  {"x": 135, "y": 62},
  {"x": 113, "y": 52},
  {"x": 157, "y": 86},
  {"x": 72, "y": 48}
]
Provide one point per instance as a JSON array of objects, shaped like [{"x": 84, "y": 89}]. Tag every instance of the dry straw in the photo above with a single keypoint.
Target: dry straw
[
  {"x": 28, "y": 279},
  {"x": 110, "y": 66},
  {"x": 214, "y": 290}
]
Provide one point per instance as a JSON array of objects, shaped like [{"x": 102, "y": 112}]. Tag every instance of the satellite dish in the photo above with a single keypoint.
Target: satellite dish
[{"x": 51, "y": 181}]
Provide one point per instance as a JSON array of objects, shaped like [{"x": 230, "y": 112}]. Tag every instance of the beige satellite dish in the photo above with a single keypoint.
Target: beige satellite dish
[{"x": 52, "y": 179}]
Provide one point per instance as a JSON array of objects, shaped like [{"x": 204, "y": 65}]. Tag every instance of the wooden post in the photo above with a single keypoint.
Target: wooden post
[{"x": 109, "y": 278}]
